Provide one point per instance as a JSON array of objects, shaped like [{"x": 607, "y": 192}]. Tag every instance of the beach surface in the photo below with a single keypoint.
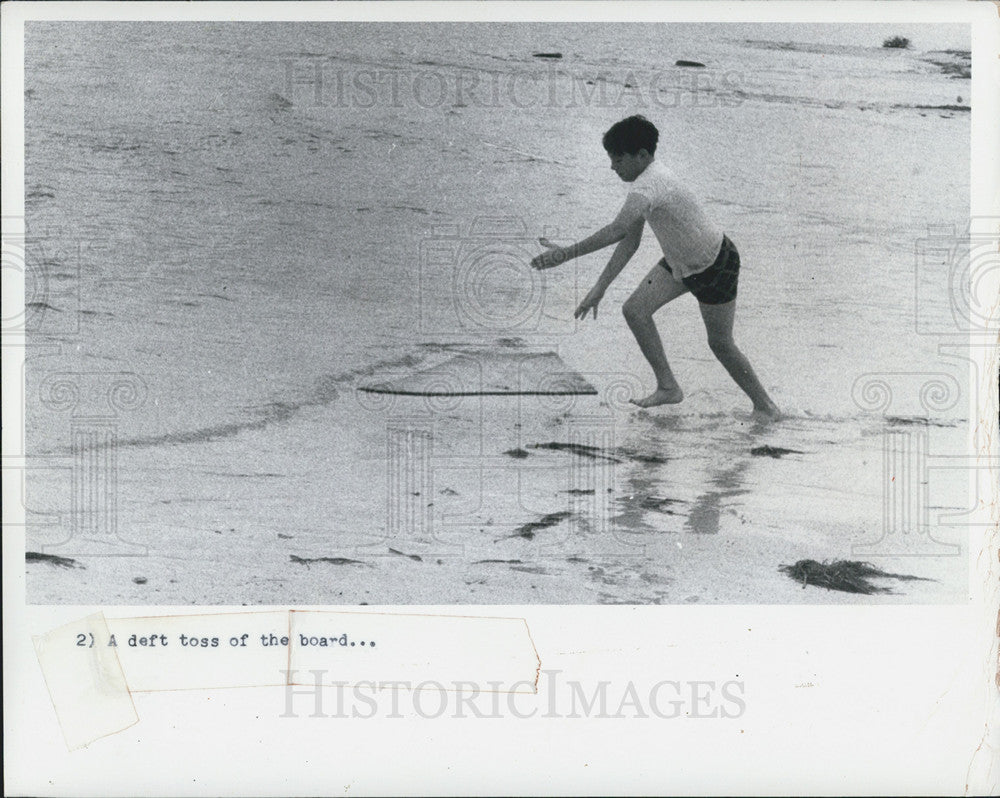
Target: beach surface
[{"x": 234, "y": 229}]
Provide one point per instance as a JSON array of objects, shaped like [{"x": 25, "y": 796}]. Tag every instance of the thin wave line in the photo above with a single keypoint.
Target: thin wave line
[{"x": 324, "y": 393}]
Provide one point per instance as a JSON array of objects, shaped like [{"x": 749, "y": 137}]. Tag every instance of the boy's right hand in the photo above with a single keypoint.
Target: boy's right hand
[
  {"x": 553, "y": 255},
  {"x": 591, "y": 301}
]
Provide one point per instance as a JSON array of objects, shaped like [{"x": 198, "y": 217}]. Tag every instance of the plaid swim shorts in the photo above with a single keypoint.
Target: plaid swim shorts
[{"x": 715, "y": 285}]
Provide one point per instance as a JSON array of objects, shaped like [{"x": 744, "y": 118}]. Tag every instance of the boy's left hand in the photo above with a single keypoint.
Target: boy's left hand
[
  {"x": 590, "y": 302},
  {"x": 553, "y": 256}
]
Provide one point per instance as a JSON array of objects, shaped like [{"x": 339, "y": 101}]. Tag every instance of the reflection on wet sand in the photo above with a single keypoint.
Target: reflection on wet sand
[
  {"x": 640, "y": 500},
  {"x": 707, "y": 508},
  {"x": 701, "y": 516}
]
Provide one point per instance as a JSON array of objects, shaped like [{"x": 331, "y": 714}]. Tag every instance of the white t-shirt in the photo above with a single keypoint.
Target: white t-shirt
[{"x": 689, "y": 239}]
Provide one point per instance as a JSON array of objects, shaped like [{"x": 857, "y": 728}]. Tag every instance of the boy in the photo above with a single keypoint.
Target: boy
[{"x": 697, "y": 258}]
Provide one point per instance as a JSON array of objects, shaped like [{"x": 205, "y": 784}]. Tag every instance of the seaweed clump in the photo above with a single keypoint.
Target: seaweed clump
[
  {"x": 848, "y": 576},
  {"x": 897, "y": 42}
]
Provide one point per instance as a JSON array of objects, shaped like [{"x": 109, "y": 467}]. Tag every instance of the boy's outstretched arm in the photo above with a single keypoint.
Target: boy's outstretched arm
[
  {"x": 622, "y": 255},
  {"x": 628, "y": 216}
]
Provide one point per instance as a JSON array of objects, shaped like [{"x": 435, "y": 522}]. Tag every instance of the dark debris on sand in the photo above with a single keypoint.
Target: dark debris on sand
[
  {"x": 40, "y": 306},
  {"x": 953, "y": 63},
  {"x": 660, "y": 505},
  {"x": 908, "y": 421},
  {"x": 593, "y": 452},
  {"x": 848, "y": 576},
  {"x": 772, "y": 451},
  {"x": 414, "y": 557},
  {"x": 52, "y": 559},
  {"x": 527, "y": 531},
  {"x": 531, "y": 569},
  {"x": 943, "y": 107},
  {"x": 640, "y": 457},
  {"x": 331, "y": 560}
]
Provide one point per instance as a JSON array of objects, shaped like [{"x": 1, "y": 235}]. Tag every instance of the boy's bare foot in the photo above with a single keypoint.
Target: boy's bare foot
[
  {"x": 766, "y": 413},
  {"x": 661, "y": 396}
]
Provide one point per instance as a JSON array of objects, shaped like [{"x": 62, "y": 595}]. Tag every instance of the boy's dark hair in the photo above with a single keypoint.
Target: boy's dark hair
[{"x": 631, "y": 135}]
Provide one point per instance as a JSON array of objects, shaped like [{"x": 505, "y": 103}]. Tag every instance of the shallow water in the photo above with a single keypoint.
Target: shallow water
[{"x": 248, "y": 245}]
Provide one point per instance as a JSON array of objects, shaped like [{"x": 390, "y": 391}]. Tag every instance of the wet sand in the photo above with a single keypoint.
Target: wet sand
[{"x": 386, "y": 499}]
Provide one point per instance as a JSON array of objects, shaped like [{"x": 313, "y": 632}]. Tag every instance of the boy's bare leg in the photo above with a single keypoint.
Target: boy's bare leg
[
  {"x": 719, "y": 325},
  {"x": 657, "y": 289}
]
